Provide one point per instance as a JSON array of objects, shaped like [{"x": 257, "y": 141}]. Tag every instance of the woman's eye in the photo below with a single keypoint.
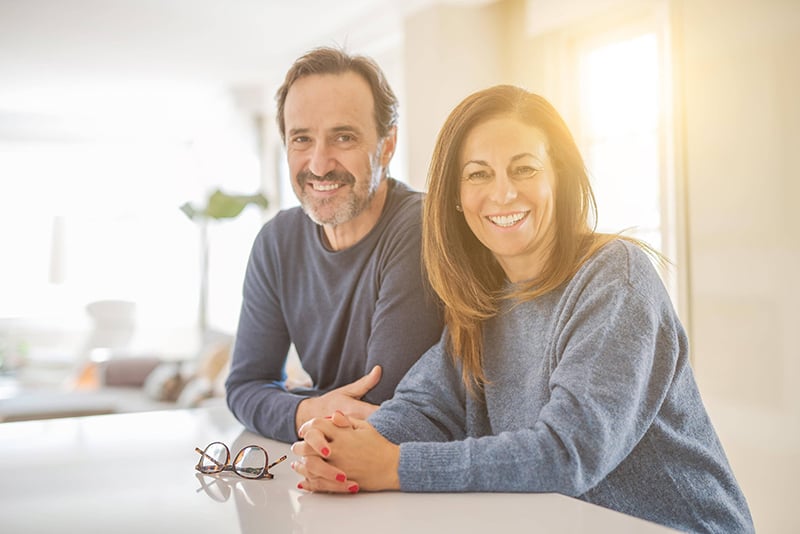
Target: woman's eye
[
  {"x": 477, "y": 176},
  {"x": 525, "y": 171}
]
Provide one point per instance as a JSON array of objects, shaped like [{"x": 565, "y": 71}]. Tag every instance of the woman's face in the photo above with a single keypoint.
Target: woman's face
[{"x": 508, "y": 193}]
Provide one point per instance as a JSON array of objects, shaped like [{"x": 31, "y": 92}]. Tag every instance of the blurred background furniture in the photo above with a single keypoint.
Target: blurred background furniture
[{"x": 110, "y": 374}]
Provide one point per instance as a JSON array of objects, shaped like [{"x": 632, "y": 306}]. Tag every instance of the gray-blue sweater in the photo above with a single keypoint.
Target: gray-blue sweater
[
  {"x": 590, "y": 394},
  {"x": 345, "y": 311}
]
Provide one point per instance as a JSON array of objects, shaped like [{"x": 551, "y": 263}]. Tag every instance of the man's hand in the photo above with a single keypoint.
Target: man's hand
[{"x": 346, "y": 399}]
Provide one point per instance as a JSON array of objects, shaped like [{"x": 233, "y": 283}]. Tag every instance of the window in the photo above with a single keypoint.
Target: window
[
  {"x": 91, "y": 217},
  {"x": 624, "y": 130}
]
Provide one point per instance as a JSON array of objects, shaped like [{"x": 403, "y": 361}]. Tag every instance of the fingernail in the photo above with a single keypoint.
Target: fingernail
[
  {"x": 353, "y": 488},
  {"x": 291, "y": 465},
  {"x": 328, "y": 417},
  {"x": 299, "y": 485},
  {"x": 340, "y": 413},
  {"x": 325, "y": 451},
  {"x": 340, "y": 477}
]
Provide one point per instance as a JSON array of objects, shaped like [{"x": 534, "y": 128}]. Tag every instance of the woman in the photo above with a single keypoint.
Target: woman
[{"x": 563, "y": 367}]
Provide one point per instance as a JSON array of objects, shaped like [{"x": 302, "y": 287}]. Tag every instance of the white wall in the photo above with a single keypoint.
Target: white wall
[
  {"x": 741, "y": 80},
  {"x": 450, "y": 51}
]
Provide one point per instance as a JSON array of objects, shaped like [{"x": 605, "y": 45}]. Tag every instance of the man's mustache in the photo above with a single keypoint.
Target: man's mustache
[{"x": 342, "y": 177}]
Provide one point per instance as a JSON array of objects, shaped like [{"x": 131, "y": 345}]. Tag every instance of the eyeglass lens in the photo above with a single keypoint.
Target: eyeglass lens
[
  {"x": 214, "y": 459},
  {"x": 250, "y": 462}
]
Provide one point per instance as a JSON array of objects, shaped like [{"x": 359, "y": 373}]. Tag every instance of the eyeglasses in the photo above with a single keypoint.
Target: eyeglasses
[{"x": 250, "y": 462}]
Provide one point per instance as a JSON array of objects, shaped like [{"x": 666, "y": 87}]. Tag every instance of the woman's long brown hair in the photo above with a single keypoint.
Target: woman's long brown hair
[{"x": 462, "y": 271}]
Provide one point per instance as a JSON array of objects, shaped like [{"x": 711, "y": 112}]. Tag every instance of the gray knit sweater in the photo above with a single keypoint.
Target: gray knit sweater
[
  {"x": 590, "y": 394},
  {"x": 345, "y": 311}
]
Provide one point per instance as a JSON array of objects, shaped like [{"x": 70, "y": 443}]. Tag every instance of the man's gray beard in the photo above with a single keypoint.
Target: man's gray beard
[
  {"x": 353, "y": 205},
  {"x": 350, "y": 209}
]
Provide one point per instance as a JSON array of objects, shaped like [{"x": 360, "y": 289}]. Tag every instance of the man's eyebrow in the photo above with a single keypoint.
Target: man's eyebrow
[
  {"x": 296, "y": 131},
  {"x": 344, "y": 128},
  {"x": 335, "y": 129}
]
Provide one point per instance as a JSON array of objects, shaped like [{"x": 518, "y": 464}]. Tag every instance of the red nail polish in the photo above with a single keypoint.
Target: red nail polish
[
  {"x": 340, "y": 477},
  {"x": 353, "y": 488},
  {"x": 325, "y": 451},
  {"x": 299, "y": 485}
]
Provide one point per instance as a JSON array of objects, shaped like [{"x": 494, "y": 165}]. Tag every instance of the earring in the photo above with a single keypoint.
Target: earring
[{"x": 459, "y": 208}]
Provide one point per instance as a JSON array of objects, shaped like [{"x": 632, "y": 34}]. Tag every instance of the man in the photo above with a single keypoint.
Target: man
[{"x": 341, "y": 276}]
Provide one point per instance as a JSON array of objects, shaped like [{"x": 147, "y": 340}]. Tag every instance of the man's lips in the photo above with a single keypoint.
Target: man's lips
[
  {"x": 324, "y": 186},
  {"x": 329, "y": 183}
]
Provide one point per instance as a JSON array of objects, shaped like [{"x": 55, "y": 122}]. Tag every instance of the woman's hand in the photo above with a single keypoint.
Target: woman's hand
[{"x": 341, "y": 454}]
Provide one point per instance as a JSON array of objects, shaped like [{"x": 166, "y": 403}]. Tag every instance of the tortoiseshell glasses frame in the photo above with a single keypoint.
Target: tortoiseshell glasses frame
[{"x": 250, "y": 462}]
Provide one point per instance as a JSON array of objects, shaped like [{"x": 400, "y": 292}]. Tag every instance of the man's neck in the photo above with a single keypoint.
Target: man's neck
[{"x": 347, "y": 234}]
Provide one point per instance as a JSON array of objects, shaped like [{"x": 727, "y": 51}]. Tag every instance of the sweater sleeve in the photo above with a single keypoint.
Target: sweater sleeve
[
  {"x": 407, "y": 319},
  {"x": 615, "y": 345},
  {"x": 429, "y": 403},
  {"x": 255, "y": 389}
]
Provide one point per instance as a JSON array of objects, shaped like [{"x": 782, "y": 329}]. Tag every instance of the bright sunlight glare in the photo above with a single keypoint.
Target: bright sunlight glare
[{"x": 620, "y": 120}]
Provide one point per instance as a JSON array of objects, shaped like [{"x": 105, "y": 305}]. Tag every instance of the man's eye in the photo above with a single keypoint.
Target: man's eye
[
  {"x": 300, "y": 139},
  {"x": 345, "y": 138}
]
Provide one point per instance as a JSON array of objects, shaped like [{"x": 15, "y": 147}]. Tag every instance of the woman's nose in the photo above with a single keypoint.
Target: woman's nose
[
  {"x": 503, "y": 190},
  {"x": 322, "y": 161}
]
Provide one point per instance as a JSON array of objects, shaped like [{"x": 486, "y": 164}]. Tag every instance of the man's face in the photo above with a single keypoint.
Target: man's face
[{"x": 336, "y": 159}]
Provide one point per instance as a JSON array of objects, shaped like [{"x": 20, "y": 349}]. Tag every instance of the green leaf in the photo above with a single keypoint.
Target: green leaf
[
  {"x": 222, "y": 205},
  {"x": 189, "y": 210}
]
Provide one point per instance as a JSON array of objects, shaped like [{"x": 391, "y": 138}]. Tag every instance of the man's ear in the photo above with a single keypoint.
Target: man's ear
[{"x": 389, "y": 143}]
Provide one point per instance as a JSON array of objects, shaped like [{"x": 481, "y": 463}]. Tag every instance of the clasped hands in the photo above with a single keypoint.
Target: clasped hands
[{"x": 341, "y": 454}]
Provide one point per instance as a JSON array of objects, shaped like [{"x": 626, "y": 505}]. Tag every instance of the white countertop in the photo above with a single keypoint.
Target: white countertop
[{"x": 129, "y": 473}]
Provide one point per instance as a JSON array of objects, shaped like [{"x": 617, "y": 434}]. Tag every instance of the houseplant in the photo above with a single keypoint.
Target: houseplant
[{"x": 219, "y": 205}]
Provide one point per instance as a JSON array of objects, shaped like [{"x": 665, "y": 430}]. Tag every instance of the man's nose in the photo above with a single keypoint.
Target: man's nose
[{"x": 322, "y": 160}]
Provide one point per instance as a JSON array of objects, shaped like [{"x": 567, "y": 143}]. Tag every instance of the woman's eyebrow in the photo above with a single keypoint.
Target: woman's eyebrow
[
  {"x": 476, "y": 162},
  {"x": 514, "y": 158},
  {"x": 522, "y": 155}
]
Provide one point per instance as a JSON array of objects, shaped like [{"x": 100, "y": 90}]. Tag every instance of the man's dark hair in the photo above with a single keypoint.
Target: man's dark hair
[{"x": 326, "y": 60}]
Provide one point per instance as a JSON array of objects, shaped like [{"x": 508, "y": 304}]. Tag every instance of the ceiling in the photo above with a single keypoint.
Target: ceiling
[{"x": 57, "y": 56}]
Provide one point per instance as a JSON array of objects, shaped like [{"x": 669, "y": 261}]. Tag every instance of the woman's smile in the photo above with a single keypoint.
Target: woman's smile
[{"x": 508, "y": 220}]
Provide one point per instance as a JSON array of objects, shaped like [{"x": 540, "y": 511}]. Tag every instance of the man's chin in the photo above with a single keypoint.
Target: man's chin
[{"x": 324, "y": 216}]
